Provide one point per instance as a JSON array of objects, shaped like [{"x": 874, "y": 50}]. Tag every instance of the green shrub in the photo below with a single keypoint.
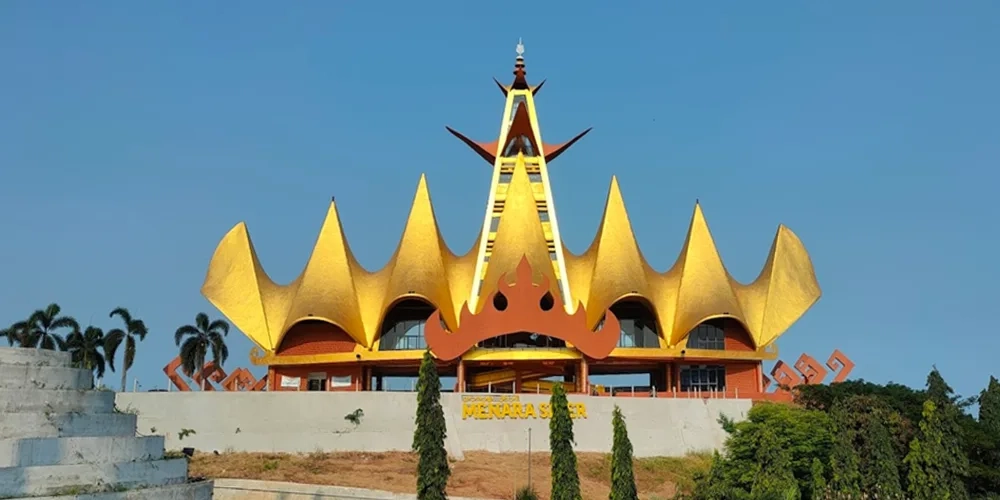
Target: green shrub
[{"x": 526, "y": 493}]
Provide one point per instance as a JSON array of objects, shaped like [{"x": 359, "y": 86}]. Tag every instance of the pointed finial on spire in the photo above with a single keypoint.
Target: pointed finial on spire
[{"x": 519, "y": 82}]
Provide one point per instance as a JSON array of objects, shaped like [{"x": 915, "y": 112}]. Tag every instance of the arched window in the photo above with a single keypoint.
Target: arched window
[
  {"x": 315, "y": 337},
  {"x": 708, "y": 335},
  {"x": 403, "y": 326},
  {"x": 638, "y": 325}
]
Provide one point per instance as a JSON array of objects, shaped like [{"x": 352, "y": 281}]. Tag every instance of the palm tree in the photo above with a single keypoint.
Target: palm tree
[
  {"x": 134, "y": 329},
  {"x": 86, "y": 349},
  {"x": 201, "y": 337},
  {"x": 16, "y": 333},
  {"x": 43, "y": 324}
]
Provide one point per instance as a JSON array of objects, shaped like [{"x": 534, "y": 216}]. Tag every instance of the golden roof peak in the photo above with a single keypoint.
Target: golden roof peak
[
  {"x": 519, "y": 234},
  {"x": 330, "y": 272},
  {"x": 419, "y": 266}
]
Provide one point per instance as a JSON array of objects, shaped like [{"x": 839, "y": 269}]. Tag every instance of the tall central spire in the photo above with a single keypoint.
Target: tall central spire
[{"x": 519, "y": 145}]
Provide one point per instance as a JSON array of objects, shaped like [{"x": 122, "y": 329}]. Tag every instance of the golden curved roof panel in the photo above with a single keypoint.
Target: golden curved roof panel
[
  {"x": 238, "y": 286},
  {"x": 418, "y": 267},
  {"x": 704, "y": 287},
  {"x": 785, "y": 289},
  {"x": 697, "y": 287},
  {"x": 613, "y": 266},
  {"x": 334, "y": 287},
  {"x": 325, "y": 289}
]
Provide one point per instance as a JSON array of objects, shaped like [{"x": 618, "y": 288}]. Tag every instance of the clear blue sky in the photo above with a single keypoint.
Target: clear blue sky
[{"x": 132, "y": 137}]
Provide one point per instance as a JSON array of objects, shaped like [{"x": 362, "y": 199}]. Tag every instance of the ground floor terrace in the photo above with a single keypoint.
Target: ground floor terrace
[
  {"x": 676, "y": 378},
  {"x": 717, "y": 358}
]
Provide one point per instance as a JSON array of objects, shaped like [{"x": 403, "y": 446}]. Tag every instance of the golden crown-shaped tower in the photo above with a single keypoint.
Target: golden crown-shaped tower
[{"x": 520, "y": 225}]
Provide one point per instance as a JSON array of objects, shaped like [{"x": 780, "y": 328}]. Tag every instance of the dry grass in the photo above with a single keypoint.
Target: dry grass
[{"x": 481, "y": 474}]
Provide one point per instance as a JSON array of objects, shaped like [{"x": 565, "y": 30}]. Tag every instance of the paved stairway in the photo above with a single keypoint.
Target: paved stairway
[{"x": 61, "y": 439}]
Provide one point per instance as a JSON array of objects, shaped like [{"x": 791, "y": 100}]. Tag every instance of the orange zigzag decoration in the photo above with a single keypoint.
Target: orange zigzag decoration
[
  {"x": 807, "y": 370},
  {"x": 240, "y": 380}
]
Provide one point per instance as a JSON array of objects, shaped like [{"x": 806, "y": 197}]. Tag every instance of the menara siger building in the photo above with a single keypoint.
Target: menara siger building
[{"x": 518, "y": 308}]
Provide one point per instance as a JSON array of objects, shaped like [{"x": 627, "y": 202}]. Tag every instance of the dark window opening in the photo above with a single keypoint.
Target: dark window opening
[
  {"x": 316, "y": 382},
  {"x": 703, "y": 377},
  {"x": 522, "y": 340},
  {"x": 708, "y": 335},
  {"x": 637, "y": 323},
  {"x": 403, "y": 326}
]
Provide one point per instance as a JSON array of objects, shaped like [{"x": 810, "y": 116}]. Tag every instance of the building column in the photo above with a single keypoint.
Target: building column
[
  {"x": 460, "y": 376},
  {"x": 378, "y": 383},
  {"x": 759, "y": 370},
  {"x": 517, "y": 381},
  {"x": 583, "y": 384}
]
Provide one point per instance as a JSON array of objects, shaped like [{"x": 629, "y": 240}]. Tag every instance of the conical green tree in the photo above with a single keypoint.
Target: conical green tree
[
  {"x": 775, "y": 479},
  {"x": 989, "y": 407},
  {"x": 927, "y": 460},
  {"x": 948, "y": 415},
  {"x": 938, "y": 390},
  {"x": 565, "y": 481},
  {"x": 622, "y": 476},
  {"x": 429, "y": 435},
  {"x": 983, "y": 445}
]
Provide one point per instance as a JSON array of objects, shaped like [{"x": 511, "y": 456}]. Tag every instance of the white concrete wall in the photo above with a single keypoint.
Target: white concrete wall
[{"x": 302, "y": 422}]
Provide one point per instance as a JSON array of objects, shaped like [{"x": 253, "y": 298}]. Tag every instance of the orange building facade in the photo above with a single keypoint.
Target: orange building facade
[{"x": 517, "y": 310}]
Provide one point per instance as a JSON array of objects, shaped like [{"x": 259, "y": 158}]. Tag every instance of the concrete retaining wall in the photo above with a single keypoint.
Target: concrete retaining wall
[
  {"x": 241, "y": 489},
  {"x": 303, "y": 422}
]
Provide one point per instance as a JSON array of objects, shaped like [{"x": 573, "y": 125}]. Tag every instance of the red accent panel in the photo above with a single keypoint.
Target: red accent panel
[{"x": 315, "y": 337}]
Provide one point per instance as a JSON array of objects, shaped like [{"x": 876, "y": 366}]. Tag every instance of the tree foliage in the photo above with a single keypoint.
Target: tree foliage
[
  {"x": 805, "y": 435},
  {"x": 949, "y": 418},
  {"x": 857, "y": 439},
  {"x": 134, "y": 332},
  {"x": 428, "y": 437},
  {"x": 927, "y": 461},
  {"x": 817, "y": 473},
  {"x": 859, "y": 424},
  {"x": 845, "y": 467},
  {"x": 42, "y": 330},
  {"x": 87, "y": 350},
  {"x": 774, "y": 478},
  {"x": 982, "y": 444},
  {"x": 975, "y": 448},
  {"x": 906, "y": 401},
  {"x": 199, "y": 339},
  {"x": 622, "y": 475},
  {"x": 16, "y": 334},
  {"x": 989, "y": 407},
  {"x": 565, "y": 480}
]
